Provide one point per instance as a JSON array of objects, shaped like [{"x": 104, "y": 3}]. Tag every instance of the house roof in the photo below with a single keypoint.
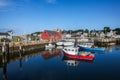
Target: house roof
[
  {"x": 52, "y": 32},
  {"x": 6, "y": 34}
]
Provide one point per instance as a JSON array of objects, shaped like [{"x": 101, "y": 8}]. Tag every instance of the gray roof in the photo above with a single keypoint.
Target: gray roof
[
  {"x": 6, "y": 34},
  {"x": 52, "y": 32}
]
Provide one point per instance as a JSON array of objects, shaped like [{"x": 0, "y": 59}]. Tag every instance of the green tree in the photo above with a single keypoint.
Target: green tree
[
  {"x": 86, "y": 31},
  {"x": 117, "y": 31},
  {"x": 106, "y": 29}
]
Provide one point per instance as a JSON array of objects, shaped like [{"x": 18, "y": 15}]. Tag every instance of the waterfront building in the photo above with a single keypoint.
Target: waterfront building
[
  {"x": 51, "y": 35},
  {"x": 4, "y": 36}
]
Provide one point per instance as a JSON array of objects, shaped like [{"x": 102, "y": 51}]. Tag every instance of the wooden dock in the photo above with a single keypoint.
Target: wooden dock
[
  {"x": 107, "y": 42},
  {"x": 24, "y": 47}
]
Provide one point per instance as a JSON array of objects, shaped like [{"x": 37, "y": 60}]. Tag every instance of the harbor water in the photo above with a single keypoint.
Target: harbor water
[{"x": 52, "y": 65}]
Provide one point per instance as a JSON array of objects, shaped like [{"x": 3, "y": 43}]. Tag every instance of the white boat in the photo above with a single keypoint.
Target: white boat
[
  {"x": 73, "y": 53},
  {"x": 71, "y": 50},
  {"x": 87, "y": 45},
  {"x": 83, "y": 40},
  {"x": 68, "y": 44},
  {"x": 59, "y": 47},
  {"x": 49, "y": 46},
  {"x": 65, "y": 43},
  {"x": 59, "y": 43}
]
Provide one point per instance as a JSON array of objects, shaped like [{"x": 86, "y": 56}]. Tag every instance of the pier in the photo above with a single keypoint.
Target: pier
[
  {"x": 107, "y": 42},
  {"x": 9, "y": 48}
]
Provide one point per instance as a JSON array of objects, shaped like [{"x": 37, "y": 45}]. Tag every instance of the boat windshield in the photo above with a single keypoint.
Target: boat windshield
[
  {"x": 76, "y": 50},
  {"x": 71, "y": 49}
]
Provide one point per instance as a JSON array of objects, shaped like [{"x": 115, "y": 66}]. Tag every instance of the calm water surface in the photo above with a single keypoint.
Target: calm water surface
[{"x": 52, "y": 65}]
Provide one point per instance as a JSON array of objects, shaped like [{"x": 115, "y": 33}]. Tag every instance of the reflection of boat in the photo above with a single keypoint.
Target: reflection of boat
[
  {"x": 73, "y": 53},
  {"x": 71, "y": 62},
  {"x": 52, "y": 53},
  {"x": 87, "y": 48}
]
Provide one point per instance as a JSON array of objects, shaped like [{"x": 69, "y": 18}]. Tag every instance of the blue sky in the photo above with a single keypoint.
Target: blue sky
[{"x": 27, "y": 16}]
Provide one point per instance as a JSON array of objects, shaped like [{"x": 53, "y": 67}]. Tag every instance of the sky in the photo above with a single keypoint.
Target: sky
[{"x": 28, "y": 16}]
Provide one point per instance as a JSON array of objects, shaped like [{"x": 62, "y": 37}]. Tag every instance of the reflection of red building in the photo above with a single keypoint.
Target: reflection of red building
[
  {"x": 51, "y": 35},
  {"x": 52, "y": 53}
]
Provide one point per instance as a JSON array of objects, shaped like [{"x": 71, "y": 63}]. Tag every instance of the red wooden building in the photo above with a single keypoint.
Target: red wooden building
[{"x": 51, "y": 35}]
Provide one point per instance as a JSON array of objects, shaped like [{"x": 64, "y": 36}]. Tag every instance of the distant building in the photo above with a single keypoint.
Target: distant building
[
  {"x": 17, "y": 39},
  {"x": 51, "y": 35},
  {"x": 4, "y": 35},
  {"x": 102, "y": 35},
  {"x": 110, "y": 34},
  {"x": 85, "y": 34},
  {"x": 66, "y": 35}
]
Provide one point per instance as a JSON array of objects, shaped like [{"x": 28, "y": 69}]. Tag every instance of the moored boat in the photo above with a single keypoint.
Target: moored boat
[
  {"x": 49, "y": 46},
  {"x": 73, "y": 53},
  {"x": 90, "y": 48},
  {"x": 74, "y": 59},
  {"x": 65, "y": 43}
]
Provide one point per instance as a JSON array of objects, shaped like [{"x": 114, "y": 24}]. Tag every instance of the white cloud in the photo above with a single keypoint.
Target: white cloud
[{"x": 51, "y": 1}]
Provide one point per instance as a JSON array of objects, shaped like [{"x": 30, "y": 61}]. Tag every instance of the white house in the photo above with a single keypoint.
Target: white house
[
  {"x": 4, "y": 35},
  {"x": 110, "y": 34},
  {"x": 66, "y": 35},
  {"x": 102, "y": 35},
  {"x": 85, "y": 34}
]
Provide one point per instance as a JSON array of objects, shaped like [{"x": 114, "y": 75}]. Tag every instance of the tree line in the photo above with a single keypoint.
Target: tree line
[{"x": 105, "y": 30}]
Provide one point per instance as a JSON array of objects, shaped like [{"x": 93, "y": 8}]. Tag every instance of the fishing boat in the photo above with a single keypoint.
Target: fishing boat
[
  {"x": 90, "y": 48},
  {"x": 73, "y": 53},
  {"x": 49, "y": 46},
  {"x": 65, "y": 43},
  {"x": 74, "y": 59}
]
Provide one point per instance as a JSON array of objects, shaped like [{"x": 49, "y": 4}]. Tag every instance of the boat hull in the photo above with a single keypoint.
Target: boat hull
[
  {"x": 74, "y": 59},
  {"x": 90, "y": 49},
  {"x": 79, "y": 57},
  {"x": 65, "y": 44}
]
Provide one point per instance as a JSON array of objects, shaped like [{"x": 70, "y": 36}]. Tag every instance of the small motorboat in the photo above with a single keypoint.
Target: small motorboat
[
  {"x": 73, "y": 53},
  {"x": 65, "y": 43},
  {"x": 49, "y": 46},
  {"x": 90, "y": 48},
  {"x": 74, "y": 59}
]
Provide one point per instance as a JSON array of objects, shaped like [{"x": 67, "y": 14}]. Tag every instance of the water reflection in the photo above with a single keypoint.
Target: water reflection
[
  {"x": 9, "y": 58},
  {"x": 4, "y": 65},
  {"x": 115, "y": 48},
  {"x": 70, "y": 62},
  {"x": 5, "y": 59},
  {"x": 75, "y": 62},
  {"x": 20, "y": 61},
  {"x": 52, "y": 54}
]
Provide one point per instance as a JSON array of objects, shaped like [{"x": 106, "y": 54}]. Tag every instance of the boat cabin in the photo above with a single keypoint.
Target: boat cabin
[{"x": 71, "y": 50}]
